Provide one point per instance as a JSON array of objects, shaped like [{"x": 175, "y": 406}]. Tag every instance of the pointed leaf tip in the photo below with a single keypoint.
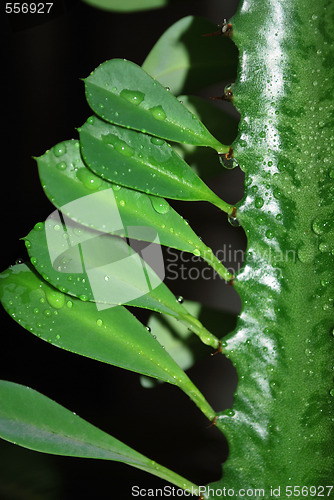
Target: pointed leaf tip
[
  {"x": 32, "y": 420},
  {"x": 138, "y": 161},
  {"x": 122, "y": 93}
]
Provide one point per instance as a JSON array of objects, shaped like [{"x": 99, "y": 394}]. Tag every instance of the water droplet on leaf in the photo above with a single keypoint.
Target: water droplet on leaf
[
  {"x": 160, "y": 205},
  {"x": 39, "y": 226},
  {"x": 89, "y": 180},
  {"x": 158, "y": 113},
  {"x": 133, "y": 96},
  {"x": 59, "y": 150},
  {"x": 157, "y": 141},
  {"x": 61, "y": 165},
  {"x": 55, "y": 299}
]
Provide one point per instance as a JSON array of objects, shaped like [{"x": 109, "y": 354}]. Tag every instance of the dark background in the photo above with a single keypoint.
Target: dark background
[{"x": 43, "y": 102}]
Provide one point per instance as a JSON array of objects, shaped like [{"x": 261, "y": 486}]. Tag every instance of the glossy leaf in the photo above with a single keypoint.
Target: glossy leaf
[
  {"x": 122, "y": 93},
  {"x": 127, "y": 5},
  {"x": 140, "y": 162},
  {"x": 223, "y": 125},
  {"x": 101, "y": 268},
  {"x": 34, "y": 421},
  {"x": 185, "y": 61},
  {"x": 111, "y": 335},
  {"x": 94, "y": 202}
]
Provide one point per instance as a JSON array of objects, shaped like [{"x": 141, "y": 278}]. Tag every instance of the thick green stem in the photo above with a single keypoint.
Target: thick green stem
[{"x": 281, "y": 428}]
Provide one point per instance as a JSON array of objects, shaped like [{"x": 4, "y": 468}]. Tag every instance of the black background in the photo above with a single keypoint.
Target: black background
[{"x": 43, "y": 102}]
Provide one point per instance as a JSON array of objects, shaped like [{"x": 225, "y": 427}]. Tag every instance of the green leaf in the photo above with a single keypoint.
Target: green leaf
[
  {"x": 122, "y": 93},
  {"x": 185, "y": 61},
  {"x": 67, "y": 182},
  {"x": 127, "y": 5},
  {"x": 141, "y": 162},
  {"x": 34, "y": 421},
  {"x": 104, "y": 269},
  {"x": 224, "y": 126},
  {"x": 111, "y": 335}
]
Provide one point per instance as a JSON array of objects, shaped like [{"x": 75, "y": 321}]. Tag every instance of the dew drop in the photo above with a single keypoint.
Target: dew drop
[
  {"x": 120, "y": 146},
  {"x": 27, "y": 244},
  {"x": 323, "y": 247},
  {"x": 84, "y": 298},
  {"x": 158, "y": 113},
  {"x": 234, "y": 221},
  {"x": 197, "y": 252},
  {"x": 99, "y": 322},
  {"x": 227, "y": 160},
  {"x": 56, "y": 227},
  {"x": 148, "y": 329},
  {"x": 269, "y": 234},
  {"x": 58, "y": 336},
  {"x": 89, "y": 180},
  {"x": 228, "y": 94},
  {"x": 319, "y": 226},
  {"x": 157, "y": 141},
  {"x": 122, "y": 203},
  {"x": 133, "y": 96},
  {"x": 160, "y": 205},
  {"x": 180, "y": 299},
  {"x": 116, "y": 187},
  {"x": 19, "y": 261},
  {"x": 331, "y": 392},
  {"x": 69, "y": 304},
  {"x": 59, "y": 150},
  {"x": 259, "y": 202},
  {"x": 36, "y": 310},
  {"x": 55, "y": 299},
  {"x": 47, "y": 312},
  {"x": 39, "y": 226},
  {"x": 61, "y": 165}
]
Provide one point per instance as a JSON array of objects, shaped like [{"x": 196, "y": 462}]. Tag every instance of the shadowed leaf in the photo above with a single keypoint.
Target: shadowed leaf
[{"x": 185, "y": 61}]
